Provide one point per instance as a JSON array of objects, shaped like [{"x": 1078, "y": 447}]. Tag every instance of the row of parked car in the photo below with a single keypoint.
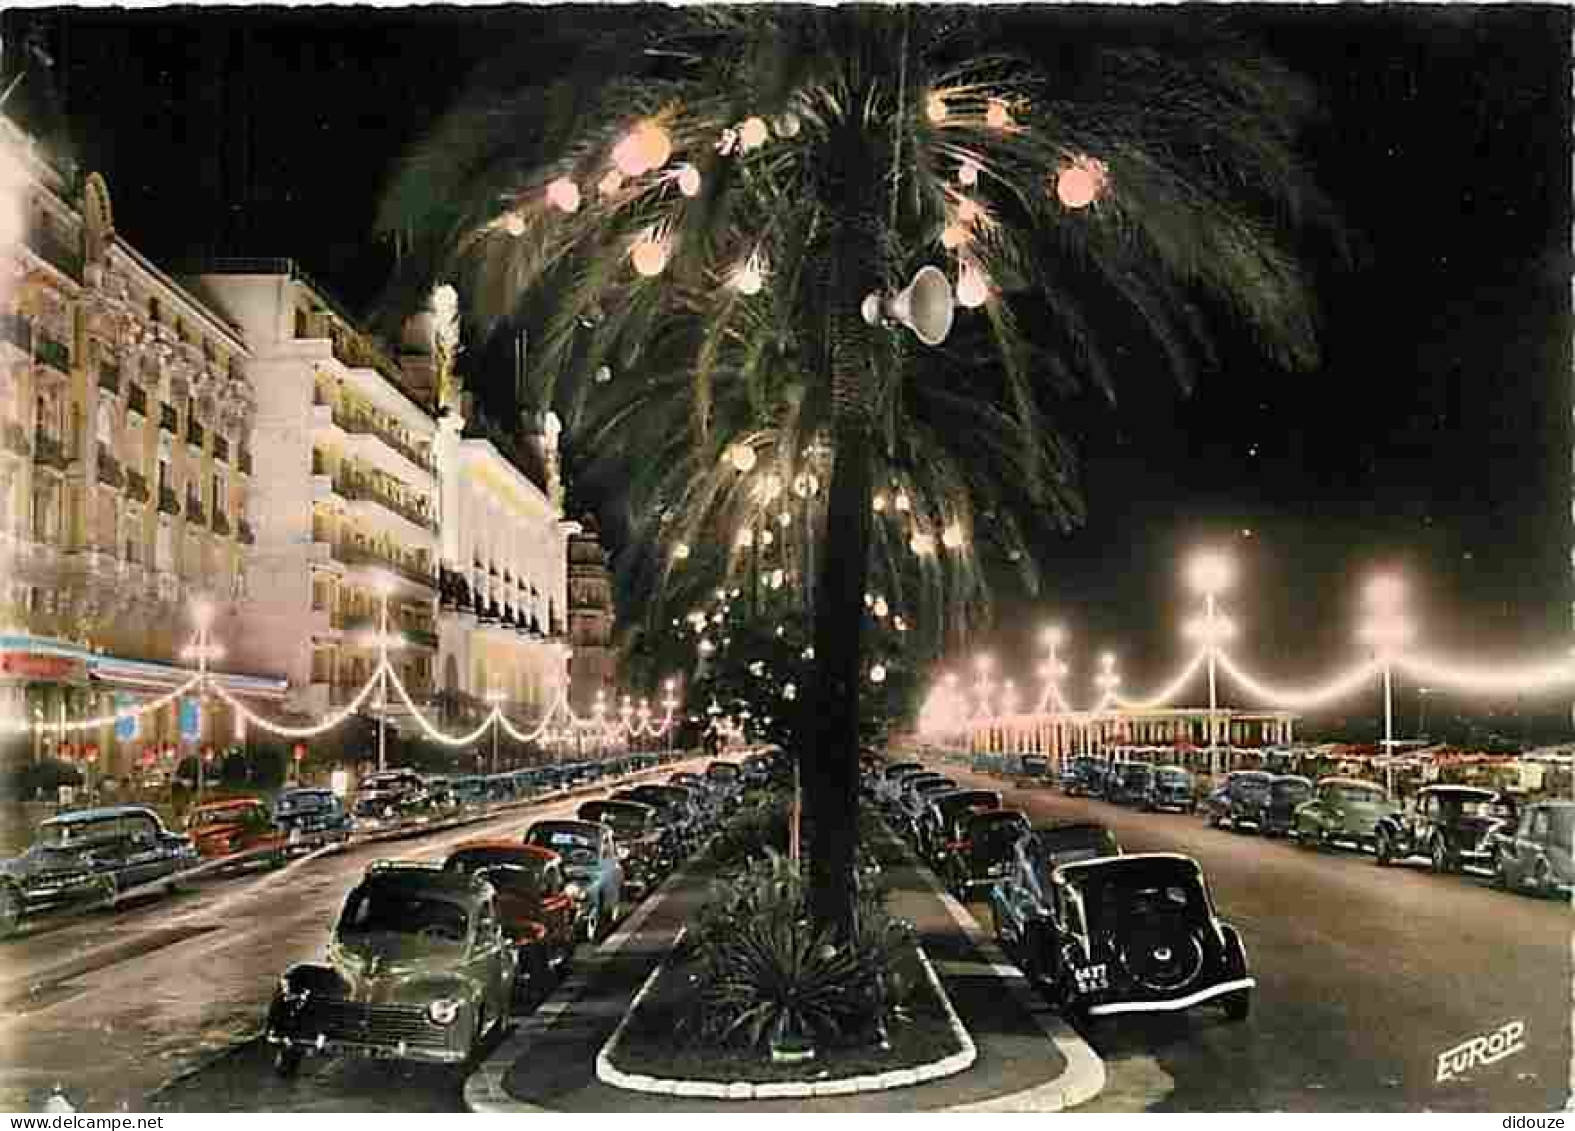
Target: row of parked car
[
  {"x": 1100, "y": 932},
  {"x": 1526, "y": 846},
  {"x": 427, "y": 961},
  {"x": 90, "y": 857}
]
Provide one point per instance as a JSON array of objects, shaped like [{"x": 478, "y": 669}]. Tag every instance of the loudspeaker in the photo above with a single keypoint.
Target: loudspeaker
[{"x": 924, "y": 306}]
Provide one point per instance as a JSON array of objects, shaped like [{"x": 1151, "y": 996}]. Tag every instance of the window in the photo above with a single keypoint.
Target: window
[
  {"x": 166, "y": 481},
  {"x": 154, "y": 313},
  {"x": 300, "y": 323},
  {"x": 220, "y": 496},
  {"x": 1539, "y": 823}
]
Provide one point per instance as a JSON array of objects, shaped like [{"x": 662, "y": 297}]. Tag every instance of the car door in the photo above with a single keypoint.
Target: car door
[
  {"x": 1531, "y": 840},
  {"x": 490, "y": 962},
  {"x": 557, "y": 909},
  {"x": 612, "y": 874}
]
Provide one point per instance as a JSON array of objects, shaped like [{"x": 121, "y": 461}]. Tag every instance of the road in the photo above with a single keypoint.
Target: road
[
  {"x": 157, "y": 1006},
  {"x": 1365, "y": 975}
]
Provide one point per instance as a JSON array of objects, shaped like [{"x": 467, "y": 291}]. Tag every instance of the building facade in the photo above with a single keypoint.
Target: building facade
[
  {"x": 126, "y": 471},
  {"x": 593, "y": 667}
]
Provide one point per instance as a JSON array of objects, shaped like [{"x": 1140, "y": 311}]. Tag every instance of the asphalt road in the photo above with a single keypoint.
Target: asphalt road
[
  {"x": 1365, "y": 975},
  {"x": 157, "y": 1006}
]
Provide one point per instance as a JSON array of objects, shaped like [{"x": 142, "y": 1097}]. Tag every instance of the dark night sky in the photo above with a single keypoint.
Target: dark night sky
[{"x": 1436, "y": 436}]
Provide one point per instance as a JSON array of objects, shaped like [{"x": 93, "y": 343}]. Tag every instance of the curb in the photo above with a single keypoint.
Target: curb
[
  {"x": 787, "y": 1089},
  {"x": 484, "y": 1092},
  {"x": 1084, "y": 1077}
]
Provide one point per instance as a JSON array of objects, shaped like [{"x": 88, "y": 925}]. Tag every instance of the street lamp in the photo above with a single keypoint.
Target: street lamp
[
  {"x": 1108, "y": 679},
  {"x": 385, "y": 588},
  {"x": 1388, "y": 632},
  {"x": 983, "y": 684},
  {"x": 496, "y": 697},
  {"x": 1053, "y": 669},
  {"x": 1421, "y": 710},
  {"x": 203, "y": 650},
  {"x": 1210, "y": 573},
  {"x": 670, "y": 704}
]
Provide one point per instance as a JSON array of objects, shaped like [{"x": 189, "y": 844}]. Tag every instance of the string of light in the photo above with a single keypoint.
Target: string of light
[
  {"x": 1172, "y": 689},
  {"x": 132, "y": 712},
  {"x": 1337, "y": 688},
  {"x": 312, "y": 731},
  {"x": 1528, "y": 679}
]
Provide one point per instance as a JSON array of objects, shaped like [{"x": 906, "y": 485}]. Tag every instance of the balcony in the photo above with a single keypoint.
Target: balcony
[
  {"x": 137, "y": 401},
  {"x": 362, "y": 489},
  {"x": 221, "y": 448},
  {"x": 136, "y": 486},
  {"x": 56, "y": 355},
  {"x": 363, "y": 424},
  {"x": 15, "y": 439},
  {"x": 109, "y": 472},
  {"x": 56, "y": 251},
  {"x": 168, "y": 421},
  {"x": 360, "y": 556},
  {"x": 221, "y": 523},
  {"x": 243, "y": 461},
  {"x": 422, "y": 637},
  {"x": 194, "y": 511},
  {"x": 194, "y": 434},
  {"x": 48, "y": 451},
  {"x": 109, "y": 377}
]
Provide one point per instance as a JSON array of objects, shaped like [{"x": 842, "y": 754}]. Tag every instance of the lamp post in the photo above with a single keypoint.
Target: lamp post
[
  {"x": 1107, "y": 681},
  {"x": 496, "y": 698},
  {"x": 624, "y": 712},
  {"x": 600, "y": 713},
  {"x": 1388, "y": 631},
  {"x": 202, "y": 651},
  {"x": 1210, "y": 574},
  {"x": 670, "y": 704},
  {"x": 1053, "y": 670},
  {"x": 385, "y": 588},
  {"x": 1421, "y": 710}
]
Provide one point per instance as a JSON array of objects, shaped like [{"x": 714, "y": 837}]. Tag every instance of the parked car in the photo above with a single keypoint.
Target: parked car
[
  {"x": 533, "y": 903},
  {"x": 470, "y": 793},
  {"x": 419, "y": 968},
  {"x": 638, "y": 839},
  {"x": 943, "y": 818},
  {"x": 729, "y": 780},
  {"x": 917, "y": 793},
  {"x": 311, "y": 817},
  {"x": 1342, "y": 810},
  {"x": 1287, "y": 793},
  {"x": 1125, "y": 934},
  {"x": 1085, "y": 776},
  {"x": 1035, "y": 766},
  {"x": 392, "y": 799},
  {"x": 677, "y": 809},
  {"x": 1239, "y": 801},
  {"x": 981, "y": 852},
  {"x": 236, "y": 828},
  {"x": 84, "y": 858},
  {"x": 1171, "y": 787},
  {"x": 886, "y": 784},
  {"x": 1451, "y": 825},
  {"x": 590, "y": 861},
  {"x": 1129, "y": 782},
  {"x": 1535, "y": 854}
]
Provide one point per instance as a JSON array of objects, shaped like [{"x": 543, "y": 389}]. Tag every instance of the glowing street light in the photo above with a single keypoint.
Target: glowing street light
[
  {"x": 203, "y": 650},
  {"x": 1210, "y": 573},
  {"x": 1053, "y": 669},
  {"x": 497, "y": 698},
  {"x": 1388, "y": 631}
]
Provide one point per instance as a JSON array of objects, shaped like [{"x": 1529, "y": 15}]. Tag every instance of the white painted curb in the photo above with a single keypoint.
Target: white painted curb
[{"x": 798, "y": 1089}]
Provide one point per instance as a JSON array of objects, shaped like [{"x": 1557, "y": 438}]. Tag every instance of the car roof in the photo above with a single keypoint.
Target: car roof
[
  {"x": 1292, "y": 777},
  {"x": 512, "y": 847},
  {"x": 990, "y": 816},
  {"x": 107, "y": 813},
  {"x": 1136, "y": 864},
  {"x": 305, "y": 789},
  {"x": 615, "y": 803},
  {"x": 566, "y": 824},
  {"x": 1172, "y": 766},
  {"x": 1345, "y": 780},
  {"x": 1475, "y": 790},
  {"x": 431, "y": 878},
  {"x": 228, "y": 803}
]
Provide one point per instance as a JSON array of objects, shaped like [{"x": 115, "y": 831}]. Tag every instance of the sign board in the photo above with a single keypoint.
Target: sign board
[
  {"x": 190, "y": 718},
  {"x": 126, "y": 728},
  {"x": 33, "y": 666}
]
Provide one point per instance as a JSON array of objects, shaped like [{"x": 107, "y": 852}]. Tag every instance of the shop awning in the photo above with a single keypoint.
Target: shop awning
[{"x": 41, "y": 658}]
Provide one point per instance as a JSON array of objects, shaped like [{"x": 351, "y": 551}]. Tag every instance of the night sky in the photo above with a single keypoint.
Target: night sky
[{"x": 1435, "y": 437}]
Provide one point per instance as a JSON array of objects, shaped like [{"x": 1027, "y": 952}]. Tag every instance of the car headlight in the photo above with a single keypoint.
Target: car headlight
[
  {"x": 289, "y": 992},
  {"x": 574, "y": 892},
  {"x": 623, "y": 852},
  {"x": 443, "y": 1011}
]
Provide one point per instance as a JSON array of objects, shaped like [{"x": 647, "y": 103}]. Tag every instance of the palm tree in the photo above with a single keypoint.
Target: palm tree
[{"x": 695, "y": 225}]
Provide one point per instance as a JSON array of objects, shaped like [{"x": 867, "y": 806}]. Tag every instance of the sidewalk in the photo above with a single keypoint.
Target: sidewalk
[{"x": 1028, "y": 1060}]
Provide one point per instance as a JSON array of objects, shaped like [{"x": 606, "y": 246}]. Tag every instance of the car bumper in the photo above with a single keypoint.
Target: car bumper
[
  {"x": 1172, "y": 1005},
  {"x": 322, "y": 1046}
]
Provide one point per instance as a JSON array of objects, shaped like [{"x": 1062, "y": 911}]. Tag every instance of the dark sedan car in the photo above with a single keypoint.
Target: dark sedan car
[
  {"x": 1240, "y": 801},
  {"x": 1129, "y": 783},
  {"x": 982, "y": 852},
  {"x": 534, "y": 906},
  {"x": 1170, "y": 787},
  {"x": 1133, "y": 934},
  {"x": 87, "y": 857},
  {"x": 943, "y": 819},
  {"x": 1287, "y": 793},
  {"x": 1537, "y": 854},
  {"x": 1020, "y": 897},
  {"x": 1451, "y": 825},
  {"x": 1085, "y": 777},
  {"x": 312, "y": 817}
]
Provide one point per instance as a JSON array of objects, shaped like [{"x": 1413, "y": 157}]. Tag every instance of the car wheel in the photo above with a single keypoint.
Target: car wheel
[
  {"x": 1501, "y": 872},
  {"x": 1304, "y": 838},
  {"x": 1383, "y": 851},
  {"x": 593, "y": 924},
  {"x": 287, "y": 1061},
  {"x": 1238, "y": 1005},
  {"x": 1542, "y": 879},
  {"x": 1213, "y": 820},
  {"x": 1440, "y": 855},
  {"x": 10, "y": 910}
]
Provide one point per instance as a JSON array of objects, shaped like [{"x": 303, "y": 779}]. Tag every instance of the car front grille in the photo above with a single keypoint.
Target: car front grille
[{"x": 340, "y": 1020}]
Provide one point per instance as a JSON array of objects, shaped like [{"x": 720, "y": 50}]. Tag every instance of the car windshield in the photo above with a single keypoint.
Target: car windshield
[
  {"x": 305, "y": 802},
  {"x": 726, "y": 773},
  {"x": 1291, "y": 790},
  {"x": 226, "y": 816},
  {"x": 1356, "y": 794},
  {"x": 1562, "y": 824},
  {"x": 382, "y": 909},
  {"x": 574, "y": 846},
  {"x": 1124, "y": 902},
  {"x": 621, "y": 819},
  {"x": 1136, "y": 775},
  {"x": 63, "y": 834},
  {"x": 521, "y": 871},
  {"x": 1171, "y": 777},
  {"x": 1467, "y": 805},
  {"x": 1249, "y": 787}
]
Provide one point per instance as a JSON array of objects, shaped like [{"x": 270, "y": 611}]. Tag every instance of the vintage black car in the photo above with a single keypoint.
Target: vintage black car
[
  {"x": 1239, "y": 802},
  {"x": 981, "y": 853},
  {"x": 1287, "y": 793},
  {"x": 1451, "y": 825},
  {"x": 392, "y": 799},
  {"x": 1022, "y": 893},
  {"x": 887, "y": 781},
  {"x": 914, "y": 798},
  {"x": 311, "y": 817},
  {"x": 1170, "y": 787},
  {"x": 1537, "y": 854},
  {"x": 419, "y": 968},
  {"x": 942, "y": 820},
  {"x": 1129, "y": 783},
  {"x": 1126, "y": 934},
  {"x": 89, "y": 857},
  {"x": 1085, "y": 776}
]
